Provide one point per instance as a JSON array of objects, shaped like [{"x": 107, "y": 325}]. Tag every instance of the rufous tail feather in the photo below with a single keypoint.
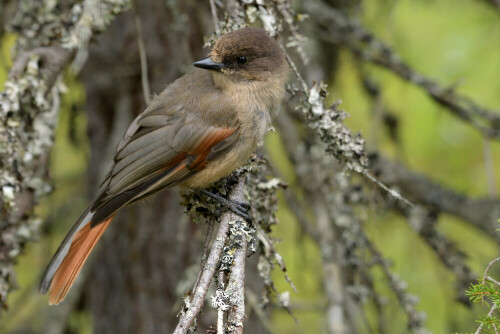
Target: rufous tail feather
[{"x": 81, "y": 245}]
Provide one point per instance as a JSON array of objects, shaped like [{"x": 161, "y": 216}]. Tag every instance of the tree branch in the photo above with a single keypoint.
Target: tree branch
[
  {"x": 236, "y": 285},
  {"x": 194, "y": 303},
  {"x": 339, "y": 29},
  {"x": 482, "y": 213},
  {"x": 29, "y": 107}
]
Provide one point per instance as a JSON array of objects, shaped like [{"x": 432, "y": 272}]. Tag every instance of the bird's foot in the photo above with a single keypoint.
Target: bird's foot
[
  {"x": 240, "y": 208},
  {"x": 244, "y": 205}
]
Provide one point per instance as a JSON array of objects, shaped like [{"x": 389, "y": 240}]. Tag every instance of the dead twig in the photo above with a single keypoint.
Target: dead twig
[
  {"x": 194, "y": 303},
  {"x": 206, "y": 244},
  {"x": 213, "y": 10},
  {"x": 143, "y": 57},
  {"x": 487, "y": 270}
]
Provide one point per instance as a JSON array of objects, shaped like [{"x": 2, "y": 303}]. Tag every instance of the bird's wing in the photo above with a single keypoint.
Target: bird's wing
[{"x": 159, "y": 150}]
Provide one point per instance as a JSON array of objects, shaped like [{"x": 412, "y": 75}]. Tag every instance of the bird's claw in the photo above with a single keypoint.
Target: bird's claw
[
  {"x": 240, "y": 208},
  {"x": 245, "y": 206}
]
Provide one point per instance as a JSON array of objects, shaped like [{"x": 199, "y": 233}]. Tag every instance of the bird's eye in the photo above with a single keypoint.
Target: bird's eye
[{"x": 241, "y": 60}]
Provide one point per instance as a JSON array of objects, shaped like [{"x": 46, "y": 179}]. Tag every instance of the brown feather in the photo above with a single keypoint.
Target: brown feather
[{"x": 81, "y": 246}]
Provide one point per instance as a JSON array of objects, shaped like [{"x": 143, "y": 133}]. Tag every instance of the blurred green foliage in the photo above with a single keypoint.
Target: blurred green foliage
[{"x": 453, "y": 41}]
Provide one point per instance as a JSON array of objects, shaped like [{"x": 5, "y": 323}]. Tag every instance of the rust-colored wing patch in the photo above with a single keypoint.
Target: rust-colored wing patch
[{"x": 205, "y": 147}]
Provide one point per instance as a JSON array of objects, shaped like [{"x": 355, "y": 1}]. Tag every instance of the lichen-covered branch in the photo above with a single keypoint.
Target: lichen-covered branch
[
  {"x": 327, "y": 122},
  {"x": 407, "y": 301},
  {"x": 28, "y": 115},
  {"x": 29, "y": 106},
  {"x": 338, "y": 228},
  {"x": 333, "y": 280},
  {"x": 236, "y": 286},
  {"x": 337, "y": 231},
  {"x": 194, "y": 303},
  {"x": 313, "y": 179},
  {"x": 262, "y": 193},
  {"x": 228, "y": 253}
]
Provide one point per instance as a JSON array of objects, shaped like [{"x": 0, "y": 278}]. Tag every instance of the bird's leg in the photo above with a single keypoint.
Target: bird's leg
[
  {"x": 239, "y": 208},
  {"x": 244, "y": 205}
]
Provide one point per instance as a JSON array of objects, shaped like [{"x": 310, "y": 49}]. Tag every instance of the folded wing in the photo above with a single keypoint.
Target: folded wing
[{"x": 160, "y": 149}]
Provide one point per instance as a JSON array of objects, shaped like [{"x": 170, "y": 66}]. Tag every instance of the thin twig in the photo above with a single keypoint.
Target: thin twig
[
  {"x": 489, "y": 267},
  {"x": 253, "y": 302},
  {"x": 220, "y": 321},
  {"x": 236, "y": 285},
  {"x": 271, "y": 252},
  {"x": 492, "y": 280},
  {"x": 423, "y": 221},
  {"x": 295, "y": 70},
  {"x": 407, "y": 302},
  {"x": 478, "y": 331},
  {"x": 213, "y": 10},
  {"x": 390, "y": 191},
  {"x": 206, "y": 244},
  {"x": 199, "y": 294},
  {"x": 333, "y": 284},
  {"x": 298, "y": 210},
  {"x": 327, "y": 122},
  {"x": 143, "y": 57},
  {"x": 195, "y": 304}
]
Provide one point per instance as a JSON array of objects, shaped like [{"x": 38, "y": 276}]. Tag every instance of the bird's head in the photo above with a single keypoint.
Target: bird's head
[{"x": 245, "y": 55}]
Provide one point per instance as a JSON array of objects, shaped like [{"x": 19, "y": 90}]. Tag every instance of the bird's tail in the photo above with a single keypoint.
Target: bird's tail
[{"x": 68, "y": 261}]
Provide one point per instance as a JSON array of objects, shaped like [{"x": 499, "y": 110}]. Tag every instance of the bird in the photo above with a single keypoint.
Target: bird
[{"x": 198, "y": 130}]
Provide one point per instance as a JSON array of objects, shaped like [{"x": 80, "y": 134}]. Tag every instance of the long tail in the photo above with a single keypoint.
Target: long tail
[{"x": 68, "y": 261}]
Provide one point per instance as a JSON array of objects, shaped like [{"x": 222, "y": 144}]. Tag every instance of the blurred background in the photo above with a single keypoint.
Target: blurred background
[{"x": 150, "y": 256}]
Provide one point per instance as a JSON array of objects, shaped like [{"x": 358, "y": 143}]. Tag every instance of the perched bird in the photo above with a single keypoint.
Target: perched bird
[{"x": 198, "y": 130}]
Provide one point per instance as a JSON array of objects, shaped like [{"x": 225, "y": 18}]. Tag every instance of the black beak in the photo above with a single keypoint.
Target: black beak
[{"x": 208, "y": 64}]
